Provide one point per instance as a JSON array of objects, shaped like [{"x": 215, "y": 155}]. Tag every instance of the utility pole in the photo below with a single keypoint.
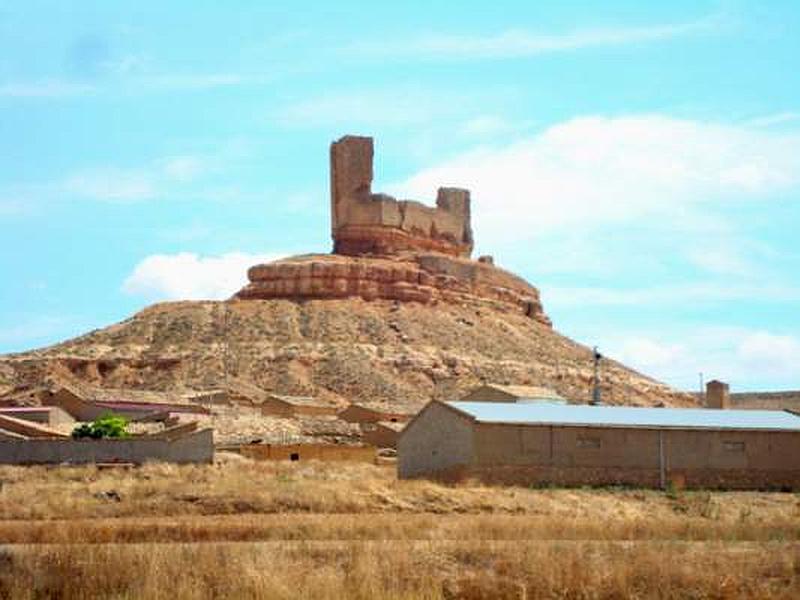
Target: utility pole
[
  {"x": 702, "y": 388},
  {"x": 225, "y": 346},
  {"x": 596, "y": 399}
]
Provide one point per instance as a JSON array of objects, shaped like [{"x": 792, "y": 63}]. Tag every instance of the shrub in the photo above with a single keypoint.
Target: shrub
[{"x": 106, "y": 426}]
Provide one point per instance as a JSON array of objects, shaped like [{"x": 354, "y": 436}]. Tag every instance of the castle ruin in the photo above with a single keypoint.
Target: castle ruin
[
  {"x": 366, "y": 223},
  {"x": 388, "y": 249}
]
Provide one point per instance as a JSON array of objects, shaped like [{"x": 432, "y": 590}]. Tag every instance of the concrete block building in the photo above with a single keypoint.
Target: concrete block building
[{"x": 539, "y": 443}]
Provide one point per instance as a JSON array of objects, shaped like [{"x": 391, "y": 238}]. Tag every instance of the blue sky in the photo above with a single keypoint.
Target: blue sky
[{"x": 638, "y": 162}]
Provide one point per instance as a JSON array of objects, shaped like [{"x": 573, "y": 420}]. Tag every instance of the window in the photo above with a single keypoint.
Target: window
[
  {"x": 294, "y": 456},
  {"x": 730, "y": 446},
  {"x": 587, "y": 442}
]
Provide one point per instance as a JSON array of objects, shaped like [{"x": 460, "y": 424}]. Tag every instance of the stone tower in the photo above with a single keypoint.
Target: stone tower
[{"x": 367, "y": 223}]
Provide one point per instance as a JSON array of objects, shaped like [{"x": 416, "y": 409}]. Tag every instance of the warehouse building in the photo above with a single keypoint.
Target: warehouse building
[{"x": 540, "y": 443}]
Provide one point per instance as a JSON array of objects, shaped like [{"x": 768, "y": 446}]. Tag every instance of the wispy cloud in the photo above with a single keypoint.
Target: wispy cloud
[
  {"x": 12, "y": 207},
  {"x": 517, "y": 43},
  {"x": 127, "y": 83},
  {"x": 112, "y": 184},
  {"x": 126, "y": 184},
  {"x": 188, "y": 276},
  {"x": 49, "y": 88},
  {"x": 399, "y": 105},
  {"x": 780, "y": 118}
]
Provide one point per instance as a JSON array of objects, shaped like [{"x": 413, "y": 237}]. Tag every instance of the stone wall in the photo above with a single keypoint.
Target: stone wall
[
  {"x": 366, "y": 223},
  {"x": 193, "y": 448},
  {"x": 303, "y": 452}
]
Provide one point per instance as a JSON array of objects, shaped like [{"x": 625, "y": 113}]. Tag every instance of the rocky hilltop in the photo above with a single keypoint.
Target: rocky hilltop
[{"x": 398, "y": 314}]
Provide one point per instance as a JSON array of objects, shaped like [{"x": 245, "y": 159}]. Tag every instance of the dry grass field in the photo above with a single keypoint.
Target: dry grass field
[{"x": 241, "y": 529}]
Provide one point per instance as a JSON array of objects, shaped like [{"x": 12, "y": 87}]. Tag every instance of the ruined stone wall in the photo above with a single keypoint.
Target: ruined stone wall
[{"x": 367, "y": 223}]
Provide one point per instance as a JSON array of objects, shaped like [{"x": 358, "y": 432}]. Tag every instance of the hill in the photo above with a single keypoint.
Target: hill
[{"x": 394, "y": 354}]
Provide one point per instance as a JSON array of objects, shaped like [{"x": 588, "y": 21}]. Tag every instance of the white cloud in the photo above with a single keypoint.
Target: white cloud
[
  {"x": 770, "y": 352},
  {"x": 747, "y": 358},
  {"x": 594, "y": 171},
  {"x": 188, "y": 276},
  {"x": 518, "y": 43},
  {"x": 660, "y": 296},
  {"x": 113, "y": 184},
  {"x": 650, "y": 354}
]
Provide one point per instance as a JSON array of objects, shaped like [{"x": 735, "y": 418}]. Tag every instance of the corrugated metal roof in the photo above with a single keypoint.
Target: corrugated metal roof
[{"x": 628, "y": 416}]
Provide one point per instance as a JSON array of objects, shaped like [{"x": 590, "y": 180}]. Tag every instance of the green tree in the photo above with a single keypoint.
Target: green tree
[{"x": 104, "y": 427}]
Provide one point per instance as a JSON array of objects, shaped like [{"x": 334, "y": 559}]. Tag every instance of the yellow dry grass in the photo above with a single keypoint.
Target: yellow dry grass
[{"x": 244, "y": 529}]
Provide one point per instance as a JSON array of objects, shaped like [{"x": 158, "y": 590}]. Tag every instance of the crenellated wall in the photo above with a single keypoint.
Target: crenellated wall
[{"x": 367, "y": 223}]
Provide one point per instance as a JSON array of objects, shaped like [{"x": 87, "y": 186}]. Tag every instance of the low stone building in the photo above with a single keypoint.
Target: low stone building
[
  {"x": 47, "y": 415},
  {"x": 539, "y": 443},
  {"x": 293, "y": 406},
  {"x": 298, "y": 452},
  {"x": 358, "y": 413},
  {"x": 12, "y": 427},
  {"x": 786, "y": 400},
  {"x": 87, "y": 407},
  {"x": 383, "y": 434},
  {"x": 493, "y": 392}
]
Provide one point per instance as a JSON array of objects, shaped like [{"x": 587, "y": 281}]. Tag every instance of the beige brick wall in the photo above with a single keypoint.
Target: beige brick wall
[{"x": 436, "y": 440}]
